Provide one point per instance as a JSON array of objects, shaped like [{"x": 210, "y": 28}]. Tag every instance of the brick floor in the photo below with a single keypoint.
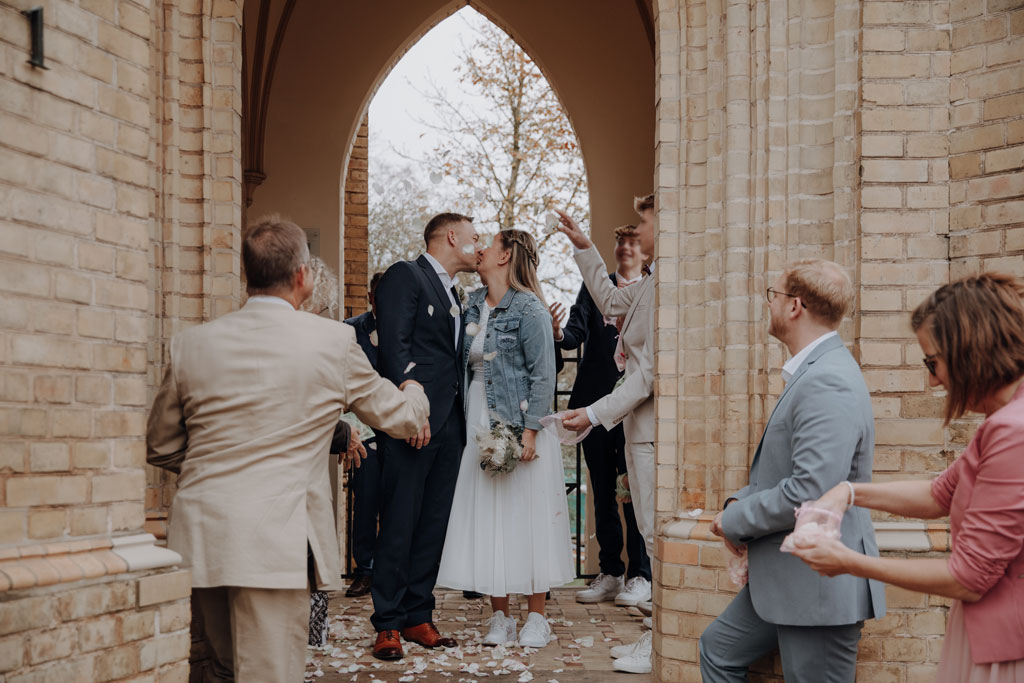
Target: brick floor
[{"x": 585, "y": 634}]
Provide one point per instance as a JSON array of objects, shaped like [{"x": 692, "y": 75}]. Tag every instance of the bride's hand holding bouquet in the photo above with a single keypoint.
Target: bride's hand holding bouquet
[{"x": 529, "y": 443}]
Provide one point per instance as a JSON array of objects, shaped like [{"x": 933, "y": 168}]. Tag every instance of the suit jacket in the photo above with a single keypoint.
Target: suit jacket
[
  {"x": 415, "y": 326},
  {"x": 596, "y": 374},
  {"x": 820, "y": 433},
  {"x": 365, "y": 325},
  {"x": 245, "y": 413},
  {"x": 981, "y": 491},
  {"x": 632, "y": 403}
]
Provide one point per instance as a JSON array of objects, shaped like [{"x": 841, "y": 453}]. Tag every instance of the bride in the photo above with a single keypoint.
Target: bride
[{"x": 509, "y": 530}]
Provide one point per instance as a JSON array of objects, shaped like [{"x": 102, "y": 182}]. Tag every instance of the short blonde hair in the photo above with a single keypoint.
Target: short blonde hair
[{"x": 823, "y": 286}]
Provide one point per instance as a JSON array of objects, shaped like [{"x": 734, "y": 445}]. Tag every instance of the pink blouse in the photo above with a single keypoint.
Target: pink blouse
[{"x": 983, "y": 491}]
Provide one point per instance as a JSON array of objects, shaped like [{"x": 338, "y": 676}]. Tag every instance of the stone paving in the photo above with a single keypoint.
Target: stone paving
[{"x": 585, "y": 634}]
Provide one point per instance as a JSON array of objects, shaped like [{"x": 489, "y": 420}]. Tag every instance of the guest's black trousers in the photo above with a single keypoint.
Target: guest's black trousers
[{"x": 417, "y": 487}]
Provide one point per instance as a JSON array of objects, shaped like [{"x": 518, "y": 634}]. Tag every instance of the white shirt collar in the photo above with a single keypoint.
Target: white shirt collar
[
  {"x": 794, "y": 363},
  {"x": 446, "y": 279},
  {"x": 270, "y": 299},
  {"x": 620, "y": 278}
]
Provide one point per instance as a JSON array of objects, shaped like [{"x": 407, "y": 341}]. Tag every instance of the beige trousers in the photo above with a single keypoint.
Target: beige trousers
[
  {"x": 255, "y": 635},
  {"x": 641, "y": 471}
]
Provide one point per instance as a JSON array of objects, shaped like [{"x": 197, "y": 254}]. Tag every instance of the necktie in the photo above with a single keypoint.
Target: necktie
[{"x": 458, "y": 318}]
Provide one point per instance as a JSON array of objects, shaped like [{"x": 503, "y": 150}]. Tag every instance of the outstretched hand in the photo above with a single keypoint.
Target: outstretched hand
[
  {"x": 573, "y": 231},
  {"x": 558, "y": 316},
  {"x": 576, "y": 420}
]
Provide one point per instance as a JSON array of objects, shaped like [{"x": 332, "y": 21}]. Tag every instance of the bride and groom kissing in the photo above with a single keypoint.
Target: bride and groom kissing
[{"x": 487, "y": 365}]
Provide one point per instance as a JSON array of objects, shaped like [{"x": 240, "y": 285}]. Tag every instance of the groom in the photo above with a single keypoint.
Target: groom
[{"x": 419, "y": 330}]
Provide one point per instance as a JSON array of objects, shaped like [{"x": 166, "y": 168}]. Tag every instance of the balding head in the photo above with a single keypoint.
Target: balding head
[
  {"x": 273, "y": 250},
  {"x": 823, "y": 286}
]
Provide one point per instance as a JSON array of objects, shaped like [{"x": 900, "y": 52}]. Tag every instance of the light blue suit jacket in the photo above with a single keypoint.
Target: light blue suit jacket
[{"x": 820, "y": 433}]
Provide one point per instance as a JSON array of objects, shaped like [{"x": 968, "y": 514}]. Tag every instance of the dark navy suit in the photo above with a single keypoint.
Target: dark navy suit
[
  {"x": 364, "y": 481},
  {"x": 416, "y": 340},
  {"x": 604, "y": 451}
]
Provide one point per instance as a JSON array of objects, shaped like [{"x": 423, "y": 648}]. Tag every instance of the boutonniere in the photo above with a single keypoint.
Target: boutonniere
[{"x": 463, "y": 298}]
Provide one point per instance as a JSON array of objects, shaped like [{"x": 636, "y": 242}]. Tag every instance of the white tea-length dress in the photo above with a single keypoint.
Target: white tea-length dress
[{"x": 507, "y": 533}]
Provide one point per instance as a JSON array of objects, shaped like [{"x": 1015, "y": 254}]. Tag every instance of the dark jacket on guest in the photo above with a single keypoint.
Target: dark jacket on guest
[
  {"x": 596, "y": 374},
  {"x": 365, "y": 324}
]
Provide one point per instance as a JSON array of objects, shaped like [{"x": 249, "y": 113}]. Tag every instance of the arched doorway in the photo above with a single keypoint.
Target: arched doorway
[{"x": 325, "y": 61}]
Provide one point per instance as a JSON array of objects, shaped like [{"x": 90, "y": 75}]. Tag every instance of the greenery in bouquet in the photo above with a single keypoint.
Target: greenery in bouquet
[{"x": 500, "y": 448}]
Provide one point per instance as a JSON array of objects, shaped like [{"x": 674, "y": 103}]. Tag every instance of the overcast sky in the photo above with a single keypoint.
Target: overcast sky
[{"x": 397, "y": 104}]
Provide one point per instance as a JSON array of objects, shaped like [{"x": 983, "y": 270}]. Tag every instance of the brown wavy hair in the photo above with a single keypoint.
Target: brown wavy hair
[
  {"x": 977, "y": 325},
  {"x": 524, "y": 262}
]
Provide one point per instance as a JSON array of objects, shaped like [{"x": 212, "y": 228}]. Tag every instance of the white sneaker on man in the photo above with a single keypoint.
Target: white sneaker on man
[
  {"x": 636, "y": 590},
  {"x": 604, "y": 587},
  {"x": 536, "y": 632},
  {"x": 619, "y": 651},
  {"x": 646, "y": 608},
  {"x": 501, "y": 629},
  {"x": 639, "y": 661},
  {"x": 648, "y": 622}
]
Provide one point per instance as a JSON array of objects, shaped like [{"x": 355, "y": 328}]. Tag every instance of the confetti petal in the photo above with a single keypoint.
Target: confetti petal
[
  {"x": 478, "y": 194},
  {"x": 378, "y": 188},
  {"x": 373, "y": 337},
  {"x": 472, "y": 330},
  {"x": 467, "y": 249},
  {"x": 454, "y": 310},
  {"x": 409, "y": 367},
  {"x": 695, "y": 513},
  {"x": 524, "y": 405},
  {"x": 436, "y": 178},
  {"x": 551, "y": 220},
  {"x": 430, "y": 309},
  {"x": 491, "y": 356}
]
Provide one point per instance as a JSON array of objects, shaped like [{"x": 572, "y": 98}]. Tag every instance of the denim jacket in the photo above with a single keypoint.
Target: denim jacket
[{"x": 519, "y": 381}]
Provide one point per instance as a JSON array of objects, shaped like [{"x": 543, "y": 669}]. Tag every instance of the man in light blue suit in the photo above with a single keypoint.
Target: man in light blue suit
[{"x": 820, "y": 434}]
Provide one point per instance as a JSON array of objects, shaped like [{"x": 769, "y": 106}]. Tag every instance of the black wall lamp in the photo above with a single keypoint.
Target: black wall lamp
[{"x": 35, "y": 23}]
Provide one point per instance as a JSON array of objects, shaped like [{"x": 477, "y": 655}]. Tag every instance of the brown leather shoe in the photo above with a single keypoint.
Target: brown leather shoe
[
  {"x": 388, "y": 646},
  {"x": 359, "y": 587},
  {"x": 427, "y": 635}
]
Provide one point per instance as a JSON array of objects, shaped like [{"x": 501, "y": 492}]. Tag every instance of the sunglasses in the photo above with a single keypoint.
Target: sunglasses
[{"x": 931, "y": 362}]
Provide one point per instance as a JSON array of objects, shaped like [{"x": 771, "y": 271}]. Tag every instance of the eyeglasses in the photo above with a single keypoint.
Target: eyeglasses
[
  {"x": 931, "y": 362},
  {"x": 771, "y": 292}
]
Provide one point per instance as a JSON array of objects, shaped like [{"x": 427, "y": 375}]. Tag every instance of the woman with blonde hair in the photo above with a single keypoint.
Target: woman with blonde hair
[
  {"x": 509, "y": 526},
  {"x": 972, "y": 334}
]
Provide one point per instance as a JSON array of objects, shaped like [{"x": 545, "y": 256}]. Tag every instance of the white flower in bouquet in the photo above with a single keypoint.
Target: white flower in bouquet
[{"x": 500, "y": 448}]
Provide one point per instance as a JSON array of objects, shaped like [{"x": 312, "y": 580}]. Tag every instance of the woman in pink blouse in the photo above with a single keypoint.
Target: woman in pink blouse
[{"x": 972, "y": 335}]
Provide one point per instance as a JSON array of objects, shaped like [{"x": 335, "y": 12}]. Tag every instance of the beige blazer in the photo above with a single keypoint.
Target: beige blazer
[
  {"x": 632, "y": 402},
  {"x": 245, "y": 413}
]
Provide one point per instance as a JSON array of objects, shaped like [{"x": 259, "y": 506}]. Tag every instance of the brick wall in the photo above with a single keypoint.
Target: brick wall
[
  {"x": 355, "y": 235},
  {"x": 132, "y": 627}
]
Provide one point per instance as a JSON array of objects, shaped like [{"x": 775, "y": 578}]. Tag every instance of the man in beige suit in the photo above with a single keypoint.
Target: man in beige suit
[
  {"x": 245, "y": 416},
  {"x": 632, "y": 402}
]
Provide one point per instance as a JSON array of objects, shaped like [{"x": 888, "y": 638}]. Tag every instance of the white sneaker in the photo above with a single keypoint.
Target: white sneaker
[
  {"x": 502, "y": 629},
  {"x": 619, "y": 651},
  {"x": 637, "y": 590},
  {"x": 536, "y": 631},
  {"x": 639, "y": 662},
  {"x": 604, "y": 587},
  {"x": 646, "y": 608},
  {"x": 648, "y": 622}
]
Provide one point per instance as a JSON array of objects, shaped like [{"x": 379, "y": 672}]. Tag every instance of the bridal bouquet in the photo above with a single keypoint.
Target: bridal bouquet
[{"x": 500, "y": 448}]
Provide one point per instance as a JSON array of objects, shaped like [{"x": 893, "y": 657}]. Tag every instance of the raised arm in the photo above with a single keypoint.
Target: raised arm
[
  {"x": 577, "y": 329},
  {"x": 610, "y": 300},
  {"x": 377, "y": 402}
]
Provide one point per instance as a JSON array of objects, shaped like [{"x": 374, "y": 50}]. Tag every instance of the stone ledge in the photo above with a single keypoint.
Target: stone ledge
[
  {"x": 891, "y": 536},
  {"x": 47, "y": 564}
]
